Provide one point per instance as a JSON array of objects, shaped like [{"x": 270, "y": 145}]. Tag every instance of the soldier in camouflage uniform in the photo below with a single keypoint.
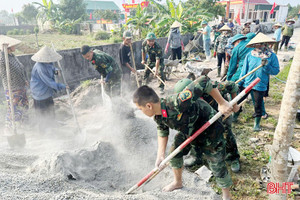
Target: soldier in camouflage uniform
[
  {"x": 198, "y": 88},
  {"x": 155, "y": 58},
  {"x": 107, "y": 67},
  {"x": 186, "y": 113},
  {"x": 220, "y": 44}
]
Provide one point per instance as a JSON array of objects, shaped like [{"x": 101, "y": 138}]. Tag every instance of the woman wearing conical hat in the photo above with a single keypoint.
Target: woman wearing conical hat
[
  {"x": 175, "y": 41},
  {"x": 220, "y": 45},
  {"x": 43, "y": 86},
  {"x": 276, "y": 36},
  {"x": 260, "y": 55},
  {"x": 18, "y": 83},
  {"x": 287, "y": 33}
]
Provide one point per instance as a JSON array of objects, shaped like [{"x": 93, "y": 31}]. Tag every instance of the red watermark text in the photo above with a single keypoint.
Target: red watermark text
[{"x": 276, "y": 188}]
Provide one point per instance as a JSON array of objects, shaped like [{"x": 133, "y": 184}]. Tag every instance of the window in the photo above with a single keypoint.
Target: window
[
  {"x": 254, "y": 15},
  {"x": 272, "y": 16},
  {"x": 250, "y": 14}
]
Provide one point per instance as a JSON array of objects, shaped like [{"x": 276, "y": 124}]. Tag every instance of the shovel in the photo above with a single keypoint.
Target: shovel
[{"x": 15, "y": 140}]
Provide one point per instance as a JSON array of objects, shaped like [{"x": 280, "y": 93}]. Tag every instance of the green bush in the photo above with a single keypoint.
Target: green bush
[
  {"x": 28, "y": 32},
  {"x": 21, "y": 32},
  {"x": 36, "y": 30},
  {"x": 11, "y": 32},
  {"x": 102, "y": 35},
  {"x": 116, "y": 39},
  {"x": 16, "y": 31}
]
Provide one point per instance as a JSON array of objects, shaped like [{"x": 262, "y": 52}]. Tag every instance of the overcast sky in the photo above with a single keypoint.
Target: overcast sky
[{"x": 17, "y": 4}]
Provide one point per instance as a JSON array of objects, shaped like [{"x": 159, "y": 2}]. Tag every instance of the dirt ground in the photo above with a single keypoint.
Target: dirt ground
[{"x": 116, "y": 148}]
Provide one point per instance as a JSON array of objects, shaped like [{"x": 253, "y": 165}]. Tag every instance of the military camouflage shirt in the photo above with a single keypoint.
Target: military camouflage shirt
[
  {"x": 155, "y": 52},
  {"x": 180, "y": 112},
  {"x": 202, "y": 86},
  {"x": 104, "y": 63},
  {"x": 221, "y": 43}
]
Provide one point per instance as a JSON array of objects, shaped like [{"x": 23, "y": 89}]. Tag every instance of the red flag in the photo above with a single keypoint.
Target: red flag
[
  {"x": 91, "y": 16},
  {"x": 273, "y": 7},
  {"x": 238, "y": 19}
]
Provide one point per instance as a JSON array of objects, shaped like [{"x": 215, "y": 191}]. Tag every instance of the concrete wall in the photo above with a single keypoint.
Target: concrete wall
[
  {"x": 4, "y": 29},
  {"x": 77, "y": 69}
]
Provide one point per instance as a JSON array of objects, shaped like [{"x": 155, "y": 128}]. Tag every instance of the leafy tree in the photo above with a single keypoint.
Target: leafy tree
[
  {"x": 6, "y": 18},
  {"x": 189, "y": 17},
  {"x": 293, "y": 11},
  {"x": 211, "y": 6},
  {"x": 72, "y": 9},
  {"x": 140, "y": 21},
  {"x": 48, "y": 11},
  {"x": 107, "y": 15},
  {"x": 29, "y": 12}
]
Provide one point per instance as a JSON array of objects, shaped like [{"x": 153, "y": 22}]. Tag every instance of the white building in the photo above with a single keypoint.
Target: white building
[{"x": 255, "y": 10}]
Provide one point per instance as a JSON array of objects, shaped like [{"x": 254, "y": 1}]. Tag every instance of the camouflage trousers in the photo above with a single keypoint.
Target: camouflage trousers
[
  {"x": 160, "y": 72},
  {"x": 113, "y": 86},
  {"x": 232, "y": 152},
  {"x": 212, "y": 145}
]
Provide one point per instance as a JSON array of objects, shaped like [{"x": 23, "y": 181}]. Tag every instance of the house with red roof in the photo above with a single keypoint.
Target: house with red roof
[{"x": 251, "y": 10}]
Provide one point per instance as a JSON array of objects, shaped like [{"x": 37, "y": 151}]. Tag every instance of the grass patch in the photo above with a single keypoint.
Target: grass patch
[{"x": 85, "y": 83}]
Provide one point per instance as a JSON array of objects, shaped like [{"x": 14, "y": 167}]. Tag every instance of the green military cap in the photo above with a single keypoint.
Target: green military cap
[
  {"x": 203, "y": 22},
  {"x": 127, "y": 34},
  {"x": 151, "y": 36},
  {"x": 180, "y": 85}
]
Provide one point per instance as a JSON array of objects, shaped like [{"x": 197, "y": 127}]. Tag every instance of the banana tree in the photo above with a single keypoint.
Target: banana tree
[
  {"x": 189, "y": 17},
  {"x": 48, "y": 11},
  {"x": 140, "y": 21}
]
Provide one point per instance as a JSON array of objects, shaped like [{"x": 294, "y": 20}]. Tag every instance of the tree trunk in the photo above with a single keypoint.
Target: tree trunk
[{"x": 284, "y": 131}]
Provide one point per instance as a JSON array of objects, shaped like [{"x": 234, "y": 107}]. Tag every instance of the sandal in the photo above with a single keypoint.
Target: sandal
[{"x": 265, "y": 116}]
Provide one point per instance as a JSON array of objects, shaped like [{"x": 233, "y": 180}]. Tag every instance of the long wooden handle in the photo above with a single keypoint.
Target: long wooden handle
[
  {"x": 155, "y": 74},
  {"x": 10, "y": 94},
  {"x": 134, "y": 66}
]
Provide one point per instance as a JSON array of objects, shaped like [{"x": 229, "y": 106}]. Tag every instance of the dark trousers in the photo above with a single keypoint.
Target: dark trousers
[
  {"x": 45, "y": 114},
  {"x": 221, "y": 58},
  {"x": 176, "y": 53},
  {"x": 258, "y": 101},
  {"x": 275, "y": 47},
  {"x": 285, "y": 41}
]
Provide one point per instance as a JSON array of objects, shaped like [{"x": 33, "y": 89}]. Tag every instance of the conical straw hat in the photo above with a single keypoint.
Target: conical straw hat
[
  {"x": 8, "y": 40},
  {"x": 260, "y": 38},
  {"x": 291, "y": 20},
  {"x": 277, "y": 25},
  {"x": 46, "y": 55},
  {"x": 176, "y": 24},
  {"x": 225, "y": 28}
]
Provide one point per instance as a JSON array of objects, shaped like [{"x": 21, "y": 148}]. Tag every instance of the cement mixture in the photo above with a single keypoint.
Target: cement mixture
[{"x": 117, "y": 147}]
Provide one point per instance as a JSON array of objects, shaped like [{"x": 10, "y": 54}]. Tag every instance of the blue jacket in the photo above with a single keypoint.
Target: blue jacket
[
  {"x": 42, "y": 83},
  {"x": 251, "y": 62},
  {"x": 237, "y": 58}
]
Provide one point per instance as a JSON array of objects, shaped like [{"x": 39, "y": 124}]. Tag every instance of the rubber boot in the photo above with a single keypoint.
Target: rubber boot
[
  {"x": 235, "y": 116},
  {"x": 235, "y": 166},
  {"x": 257, "y": 124},
  {"x": 219, "y": 71}
]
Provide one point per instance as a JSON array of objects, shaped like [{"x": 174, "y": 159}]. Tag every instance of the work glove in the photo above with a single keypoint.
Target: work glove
[{"x": 215, "y": 54}]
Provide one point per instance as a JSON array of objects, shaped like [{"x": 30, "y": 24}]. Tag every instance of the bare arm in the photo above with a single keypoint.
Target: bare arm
[
  {"x": 162, "y": 145},
  {"x": 143, "y": 57},
  {"x": 224, "y": 106}
]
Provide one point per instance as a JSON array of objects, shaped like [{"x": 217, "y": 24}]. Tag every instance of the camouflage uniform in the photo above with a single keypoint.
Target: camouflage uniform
[
  {"x": 200, "y": 89},
  {"x": 187, "y": 113},
  {"x": 154, "y": 53},
  {"x": 110, "y": 70}
]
